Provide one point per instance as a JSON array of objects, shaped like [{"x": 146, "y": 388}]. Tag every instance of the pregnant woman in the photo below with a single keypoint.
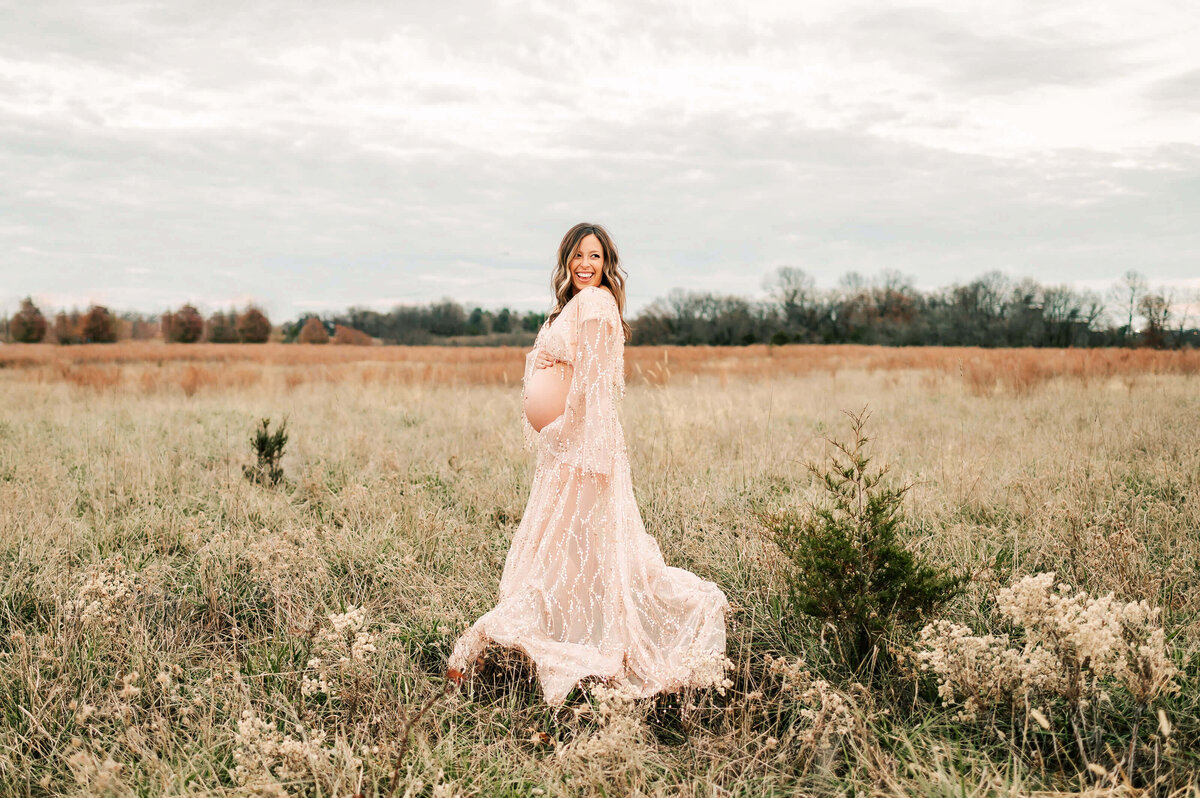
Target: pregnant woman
[{"x": 585, "y": 591}]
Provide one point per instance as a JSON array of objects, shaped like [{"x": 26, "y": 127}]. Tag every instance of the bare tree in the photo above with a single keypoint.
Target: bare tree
[
  {"x": 1156, "y": 309},
  {"x": 1188, "y": 303},
  {"x": 1126, "y": 294},
  {"x": 793, "y": 288}
]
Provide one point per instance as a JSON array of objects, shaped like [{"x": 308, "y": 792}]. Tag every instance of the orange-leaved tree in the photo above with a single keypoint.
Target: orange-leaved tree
[
  {"x": 186, "y": 326},
  {"x": 29, "y": 325},
  {"x": 313, "y": 332},
  {"x": 253, "y": 326},
  {"x": 98, "y": 326}
]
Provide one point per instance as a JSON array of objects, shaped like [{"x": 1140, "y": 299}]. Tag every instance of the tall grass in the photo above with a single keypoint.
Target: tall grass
[{"x": 168, "y": 628}]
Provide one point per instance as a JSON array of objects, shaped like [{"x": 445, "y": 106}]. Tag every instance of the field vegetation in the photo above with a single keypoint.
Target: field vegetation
[{"x": 170, "y": 627}]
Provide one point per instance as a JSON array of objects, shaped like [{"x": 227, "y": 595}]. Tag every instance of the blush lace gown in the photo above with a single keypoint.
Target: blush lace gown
[{"x": 585, "y": 590}]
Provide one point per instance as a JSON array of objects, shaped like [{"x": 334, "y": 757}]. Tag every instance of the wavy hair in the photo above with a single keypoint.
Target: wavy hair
[{"x": 611, "y": 274}]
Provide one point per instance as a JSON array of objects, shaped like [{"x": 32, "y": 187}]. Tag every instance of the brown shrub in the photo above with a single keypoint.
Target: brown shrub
[
  {"x": 313, "y": 332},
  {"x": 984, "y": 371},
  {"x": 97, "y": 326},
  {"x": 193, "y": 377},
  {"x": 350, "y": 336},
  {"x": 253, "y": 326},
  {"x": 29, "y": 325},
  {"x": 184, "y": 326},
  {"x": 98, "y": 378}
]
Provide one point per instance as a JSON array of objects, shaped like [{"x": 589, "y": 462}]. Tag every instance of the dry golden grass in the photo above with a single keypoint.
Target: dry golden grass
[
  {"x": 160, "y": 616},
  {"x": 150, "y": 366}
]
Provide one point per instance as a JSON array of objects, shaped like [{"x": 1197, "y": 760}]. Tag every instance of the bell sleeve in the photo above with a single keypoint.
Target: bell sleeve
[{"x": 590, "y": 435}]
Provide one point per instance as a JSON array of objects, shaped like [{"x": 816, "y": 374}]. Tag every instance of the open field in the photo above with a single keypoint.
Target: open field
[
  {"x": 164, "y": 623},
  {"x": 154, "y": 367}
]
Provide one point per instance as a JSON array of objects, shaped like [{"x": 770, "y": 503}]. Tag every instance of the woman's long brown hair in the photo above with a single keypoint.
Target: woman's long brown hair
[{"x": 611, "y": 275}]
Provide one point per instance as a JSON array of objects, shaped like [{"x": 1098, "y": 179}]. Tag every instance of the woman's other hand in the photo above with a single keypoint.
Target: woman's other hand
[{"x": 544, "y": 360}]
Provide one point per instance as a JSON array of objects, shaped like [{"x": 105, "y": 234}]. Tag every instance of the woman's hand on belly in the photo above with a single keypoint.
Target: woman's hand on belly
[{"x": 544, "y": 359}]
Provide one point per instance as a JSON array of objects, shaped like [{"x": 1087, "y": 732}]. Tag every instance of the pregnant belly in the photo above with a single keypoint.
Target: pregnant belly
[{"x": 546, "y": 394}]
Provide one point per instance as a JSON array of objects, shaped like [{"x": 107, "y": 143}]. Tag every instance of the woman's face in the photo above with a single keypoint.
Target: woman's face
[{"x": 587, "y": 262}]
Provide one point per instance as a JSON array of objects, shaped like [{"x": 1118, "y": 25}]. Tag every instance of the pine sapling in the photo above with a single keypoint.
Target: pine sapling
[
  {"x": 844, "y": 560},
  {"x": 268, "y": 449}
]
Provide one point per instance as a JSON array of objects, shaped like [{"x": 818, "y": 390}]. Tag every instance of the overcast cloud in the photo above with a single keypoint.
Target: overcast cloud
[{"x": 314, "y": 156}]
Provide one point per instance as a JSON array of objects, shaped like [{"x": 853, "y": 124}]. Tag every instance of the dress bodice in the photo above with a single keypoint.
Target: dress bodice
[
  {"x": 553, "y": 339},
  {"x": 587, "y": 336}
]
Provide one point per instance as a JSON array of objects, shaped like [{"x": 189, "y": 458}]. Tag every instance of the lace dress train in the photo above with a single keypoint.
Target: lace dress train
[{"x": 585, "y": 590}]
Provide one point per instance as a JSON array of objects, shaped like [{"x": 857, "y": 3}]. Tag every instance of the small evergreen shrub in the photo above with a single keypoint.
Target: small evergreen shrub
[
  {"x": 221, "y": 328},
  {"x": 845, "y": 563},
  {"x": 66, "y": 328},
  {"x": 268, "y": 449}
]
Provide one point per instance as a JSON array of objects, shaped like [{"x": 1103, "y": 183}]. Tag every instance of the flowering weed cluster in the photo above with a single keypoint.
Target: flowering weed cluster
[
  {"x": 829, "y": 715},
  {"x": 1072, "y": 647},
  {"x": 268, "y": 578},
  {"x": 286, "y": 563},
  {"x": 96, "y": 775},
  {"x": 341, "y": 661},
  {"x": 707, "y": 668},
  {"x": 266, "y": 759},
  {"x": 106, "y": 596},
  {"x": 608, "y": 757}
]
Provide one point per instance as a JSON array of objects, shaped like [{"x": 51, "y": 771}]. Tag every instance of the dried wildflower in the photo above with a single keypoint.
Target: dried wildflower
[
  {"x": 829, "y": 713},
  {"x": 343, "y": 650},
  {"x": 1164, "y": 725},
  {"x": 1075, "y": 647},
  {"x": 91, "y": 772},
  {"x": 621, "y": 717},
  {"x": 285, "y": 561},
  {"x": 706, "y": 668},
  {"x": 128, "y": 689},
  {"x": 263, "y": 756},
  {"x": 83, "y": 711},
  {"x": 106, "y": 596}
]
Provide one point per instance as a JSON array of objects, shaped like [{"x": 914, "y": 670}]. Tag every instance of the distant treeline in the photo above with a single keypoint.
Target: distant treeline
[
  {"x": 992, "y": 310},
  {"x": 428, "y": 324}
]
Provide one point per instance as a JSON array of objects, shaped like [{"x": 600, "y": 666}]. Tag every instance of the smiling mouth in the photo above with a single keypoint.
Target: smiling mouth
[{"x": 584, "y": 275}]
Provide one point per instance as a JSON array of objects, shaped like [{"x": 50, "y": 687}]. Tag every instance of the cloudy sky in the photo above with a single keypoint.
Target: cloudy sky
[{"x": 312, "y": 156}]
